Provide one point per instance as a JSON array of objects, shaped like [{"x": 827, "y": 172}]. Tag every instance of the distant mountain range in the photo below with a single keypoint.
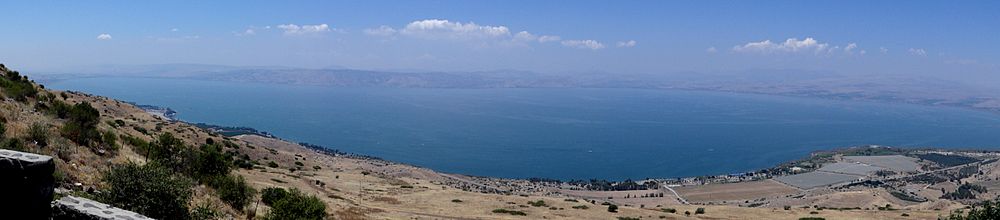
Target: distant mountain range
[{"x": 897, "y": 89}]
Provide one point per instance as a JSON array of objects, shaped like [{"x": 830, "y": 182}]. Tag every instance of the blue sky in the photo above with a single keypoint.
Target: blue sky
[{"x": 863, "y": 37}]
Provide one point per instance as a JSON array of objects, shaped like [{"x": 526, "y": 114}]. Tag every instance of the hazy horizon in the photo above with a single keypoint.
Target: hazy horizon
[{"x": 939, "y": 39}]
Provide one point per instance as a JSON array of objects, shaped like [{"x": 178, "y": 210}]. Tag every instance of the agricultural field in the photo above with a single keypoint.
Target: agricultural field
[
  {"x": 735, "y": 191},
  {"x": 815, "y": 179},
  {"x": 850, "y": 168},
  {"x": 892, "y": 162}
]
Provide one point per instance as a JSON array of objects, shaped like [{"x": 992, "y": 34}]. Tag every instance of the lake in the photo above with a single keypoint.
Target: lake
[{"x": 557, "y": 133}]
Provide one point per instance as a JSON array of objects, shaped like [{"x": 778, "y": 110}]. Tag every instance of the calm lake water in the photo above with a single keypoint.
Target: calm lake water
[{"x": 557, "y": 133}]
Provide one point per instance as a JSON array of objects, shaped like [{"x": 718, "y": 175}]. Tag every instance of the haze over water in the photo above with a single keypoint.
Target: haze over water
[{"x": 557, "y": 133}]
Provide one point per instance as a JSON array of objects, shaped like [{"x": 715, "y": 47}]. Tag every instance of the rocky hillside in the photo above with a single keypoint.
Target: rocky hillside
[{"x": 113, "y": 152}]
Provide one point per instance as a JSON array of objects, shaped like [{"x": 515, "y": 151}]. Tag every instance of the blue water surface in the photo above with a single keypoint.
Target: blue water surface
[{"x": 557, "y": 133}]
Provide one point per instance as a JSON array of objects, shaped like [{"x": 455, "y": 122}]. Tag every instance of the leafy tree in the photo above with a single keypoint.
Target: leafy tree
[
  {"x": 297, "y": 205},
  {"x": 150, "y": 189},
  {"x": 171, "y": 152},
  {"x": 211, "y": 162},
  {"x": 82, "y": 125}
]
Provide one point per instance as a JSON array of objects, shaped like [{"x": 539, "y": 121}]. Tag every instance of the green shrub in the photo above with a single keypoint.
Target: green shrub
[
  {"x": 110, "y": 141},
  {"x": 3, "y": 129},
  {"x": 699, "y": 211},
  {"x": 233, "y": 190},
  {"x": 456, "y": 200},
  {"x": 669, "y": 210},
  {"x": 613, "y": 208},
  {"x": 581, "y": 207},
  {"x": 17, "y": 87},
  {"x": 12, "y": 144},
  {"x": 983, "y": 211},
  {"x": 39, "y": 134},
  {"x": 272, "y": 164},
  {"x": 297, "y": 163},
  {"x": 150, "y": 189},
  {"x": 270, "y": 195},
  {"x": 539, "y": 203},
  {"x": 204, "y": 212},
  {"x": 297, "y": 205},
  {"x": 511, "y": 212}
]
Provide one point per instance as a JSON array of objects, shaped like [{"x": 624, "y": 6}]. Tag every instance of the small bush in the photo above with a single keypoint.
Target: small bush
[
  {"x": 272, "y": 164},
  {"x": 270, "y": 195},
  {"x": 150, "y": 189},
  {"x": 297, "y": 205},
  {"x": 669, "y": 210},
  {"x": 297, "y": 163},
  {"x": 204, "y": 212},
  {"x": 539, "y": 203},
  {"x": 12, "y": 144},
  {"x": 511, "y": 212},
  {"x": 699, "y": 211},
  {"x": 456, "y": 200},
  {"x": 612, "y": 208},
  {"x": 581, "y": 207},
  {"x": 39, "y": 134},
  {"x": 233, "y": 190}
]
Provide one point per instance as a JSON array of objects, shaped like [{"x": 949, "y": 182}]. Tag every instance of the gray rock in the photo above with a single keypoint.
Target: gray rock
[
  {"x": 26, "y": 184},
  {"x": 71, "y": 207}
]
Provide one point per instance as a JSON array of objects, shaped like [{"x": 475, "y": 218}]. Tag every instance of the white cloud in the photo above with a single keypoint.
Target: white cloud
[
  {"x": 863, "y": 52},
  {"x": 883, "y": 50},
  {"x": 917, "y": 51},
  {"x": 174, "y": 30},
  {"x": 104, "y": 37},
  {"x": 583, "y": 44},
  {"x": 850, "y": 48},
  {"x": 381, "y": 31},
  {"x": 711, "y": 50},
  {"x": 525, "y": 36},
  {"x": 437, "y": 28},
  {"x": 292, "y": 29},
  {"x": 548, "y": 38},
  {"x": 790, "y": 45},
  {"x": 630, "y": 43}
]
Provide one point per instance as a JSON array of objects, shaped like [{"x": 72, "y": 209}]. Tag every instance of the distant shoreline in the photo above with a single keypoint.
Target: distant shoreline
[{"x": 248, "y": 130}]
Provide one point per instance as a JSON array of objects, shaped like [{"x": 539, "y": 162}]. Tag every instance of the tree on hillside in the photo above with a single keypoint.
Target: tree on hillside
[{"x": 82, "y": 125}]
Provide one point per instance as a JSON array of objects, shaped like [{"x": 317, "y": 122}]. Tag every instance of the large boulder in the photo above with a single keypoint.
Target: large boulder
[
  {"x": 71, "y": 207},
  {"x": 26, "y": 184}
]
